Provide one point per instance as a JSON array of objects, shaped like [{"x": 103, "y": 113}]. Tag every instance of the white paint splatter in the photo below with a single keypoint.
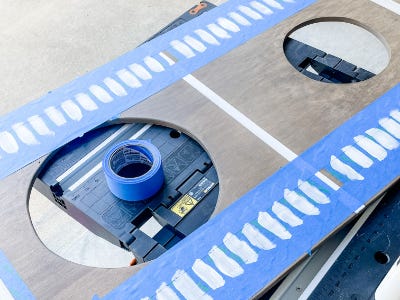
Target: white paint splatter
[
  {"x": 344, "y": 169},
  {"x": 383, "y": 138},
  {"x": 313, "y": 192},
  {"x": 194, "y": 43},
  {"x": 86, "y": 102},
  {"x": 39, "y": 125},
  {"x": 187, "y": 287},
  {"x": 224, "y": 263},
  {"x": 153, "y": 64},
  {"x": 72, "y": 110},
  {"x": 24, "y": 134},
  {"x": 115, "y": 87},
  {"x": 357, "y": 156},
  {"x": 391, "y": 126},
  {"x": 218, "y": 31},
  {"x": 100, "y": 94},
  {"x": 206, "y": 273},
  {"x": 164, "y": 292},
  {"x": 140, "y": 71},
  {"x": 273, "y": 4},
  {"x": 240, "y": 248},
  {"x": 168, "y": 59},
  {"x": 239, "y": 19},
  {"x": 55, "y": 115},
  {"x": 372, "y": 148},
  {"x": 145, "y": 298},
  {"x": 228, "y": 25},
  {"x": 300, "y": 203},
  {"x": 250, "y": 12},
  {"x": 129, "y": 79},
  {"x": 261, "y": 8},
  {"x": 286, "y": 215},
  {"x": 256, "y": 238},
  {"x": 8, "y": 142},
  {"x": 207, "y": 37},
  {"x": 182, "y": 48},
  {"x": 395, "y": 114},
  {"x": 273, "y": 225}
]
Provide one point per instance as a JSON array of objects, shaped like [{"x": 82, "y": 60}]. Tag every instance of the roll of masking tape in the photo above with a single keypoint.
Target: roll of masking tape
[{"x": 133, "y": 170}]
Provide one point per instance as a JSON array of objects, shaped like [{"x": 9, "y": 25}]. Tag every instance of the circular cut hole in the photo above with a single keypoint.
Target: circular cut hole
[
  {"x": 174, "y": 134},
  {"x": 336, "y": 50},
  {"x": 130, "y": 161},
  {"x": 381, "y": 257}
]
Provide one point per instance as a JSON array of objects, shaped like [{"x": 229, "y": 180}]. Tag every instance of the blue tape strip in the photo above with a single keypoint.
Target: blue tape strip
[
  {"x": 253, "y": 269},
  {"x": 142, "y": 154},
  {"x": 12, "y": 282},
  {"x": 68, "y": 112}
]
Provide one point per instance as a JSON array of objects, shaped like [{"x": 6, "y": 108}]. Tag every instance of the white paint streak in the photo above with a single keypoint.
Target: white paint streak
[
  {"x": 207, "y": 37},
  {"x": 140, "y": 71},
  {"x": 115, "y": 87},
  {"x": 129, "y": 79},
  {"x": 344, "y": 169},
  {"x": 24, "y": 134},
  {"x": 256, "y": 238},
  {"x": 218, "y": 31},
  {"x": 39, "y": 125},
  {"x": 8, "y": 142},
  {"x": 72, "y": 110},
  {"x": 5, "y": 294},
  {"x": 100, "y": 93},
  {"x": 313, "y": 192},
  {"x": 187, "y": 287},
  {"x": 273, "y": 225},
  {"x": 250, "y": 12},
  {"x": 182, "y": 48},
  {"x": 261, "y": 8},
  {"x": 326, "y": 180},
  {"x": 224, "y": 263},
  {"x": 383, "y": 138},
  {"x": 391, "y": 126},
  {"x": 153, "y": 64},
  {"x": 372, "y": 148},
  {"x": 240, "y": 248},
  {"x": 357, "y": 156},
  {"x": 194, "y": 43},
  {"x": 164, "y": 292},
  {"x": 273, "y": 3},
  {"x": 55, "y": 115},
  {"x": 206, "y": 273},
  {"x": 300, "y": 203},
  {"x": 395, "y": 114},
  {"x": 86, "y": 102},
  {"x": 286, "y": 215},
  {"x": 239, "y": 19},
  {"x": 145, "y": 298},
  {"x": 228, "y": 25}
]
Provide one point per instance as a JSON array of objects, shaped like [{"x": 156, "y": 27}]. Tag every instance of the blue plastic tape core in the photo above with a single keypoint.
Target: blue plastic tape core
[{"x": 133, "y": 170}]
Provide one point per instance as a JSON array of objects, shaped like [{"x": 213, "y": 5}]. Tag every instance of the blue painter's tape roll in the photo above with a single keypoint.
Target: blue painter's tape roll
[{"x": 133, "y": 170}]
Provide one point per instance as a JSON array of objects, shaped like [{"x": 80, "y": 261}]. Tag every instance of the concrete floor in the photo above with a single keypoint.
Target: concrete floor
[{"x": 46, "y": 44}]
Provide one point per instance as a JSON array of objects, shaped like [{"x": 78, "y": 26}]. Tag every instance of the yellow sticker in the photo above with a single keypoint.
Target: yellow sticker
[{"x": 184, "y": 205}]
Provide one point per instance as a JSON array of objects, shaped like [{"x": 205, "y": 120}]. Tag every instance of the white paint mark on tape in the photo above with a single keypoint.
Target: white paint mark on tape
[
  {"x": 187, "y": 287},
  {"x": 129, "y": 79},
  {"x": 86, "y": 102},
  {"x": 182, "y": 48},
  {"x": 153, "y": 64},
  {"x": 55, "y": 115},
  {"x": 39, "y": 125},
  {"x": 115, "y": 87},
  {"x": 164, "y": 292},
  {"x": 72, "y": 110},
  {"x": 289, "y": 1},
  {"x": 273, "y": 3},
  {"x": 391, "y": 126},
  {"x": 313, "y": 192},
  {"x": 256, "y": 238},
  {"x": 140, "y": 71},
  {"x": 300, "y": 203},
  {"x": 228, "y": 25},
  {"x": 395, "y": 114},
  {"x": 345, "y": 169},
  {"x": 8, "y": 142},
  {"x": 194, "y": 43},
  {"x": 224, "y": 263},
  {"x": 5, "y": 294},
  {"x": 273, "y": 225},
  {"x": 250, "y": 12},
  {"x": 261, "y": 8},
  {"x": 207, "y": 37},
  {"x": 206, "y": 273},
  {"x": 326, "y": 180},
  {"x": 240, "y": 248},
  {"x": 286, "y": 215},
  {"x": 239, "y": 19},
  {"x": 383, "y": 138},
  {"x": 357, "y": 156},
  {"x": 145, "y": 298},
  {"x": 100, "y": 93},
  {"x": 218, "y": 31},
  {"x": 24, "y": 134},
  {"x": 372, "y": 148}
]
